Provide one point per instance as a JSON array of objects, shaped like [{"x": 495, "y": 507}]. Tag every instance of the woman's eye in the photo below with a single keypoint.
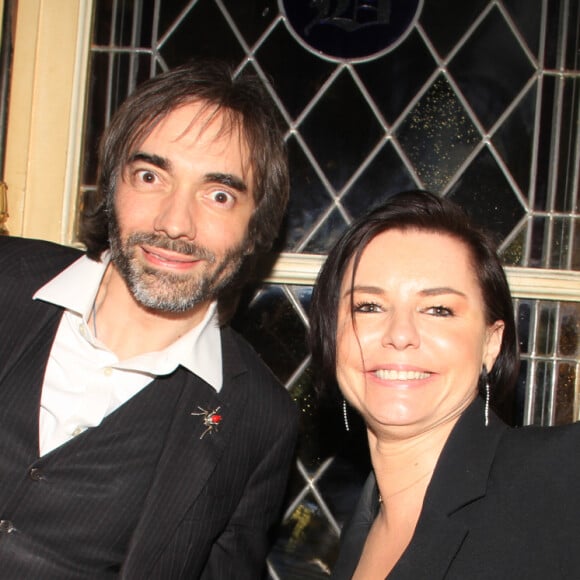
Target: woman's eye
[
  {"x": 439, "y": 311},
  {"x": 222, "y": 197},
  {"x": 366, "y": 307}
]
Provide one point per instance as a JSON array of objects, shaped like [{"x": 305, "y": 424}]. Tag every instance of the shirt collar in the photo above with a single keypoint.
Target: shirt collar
[{"x": 199, "y": 351}]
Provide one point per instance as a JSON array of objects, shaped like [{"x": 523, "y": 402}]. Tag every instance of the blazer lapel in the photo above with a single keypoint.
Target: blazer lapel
[
  {"x": 189, "y": 456},
  {"x": 435, "y": 543},
  {"x": 460, "y": 478}
]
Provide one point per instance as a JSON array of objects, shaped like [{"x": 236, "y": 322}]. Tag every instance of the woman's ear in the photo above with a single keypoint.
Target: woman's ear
[{"x": 494, "y": 336}]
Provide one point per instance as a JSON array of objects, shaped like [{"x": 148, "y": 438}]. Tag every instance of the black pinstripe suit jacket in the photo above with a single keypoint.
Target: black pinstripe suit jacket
[{"x": 212, "y": 500}]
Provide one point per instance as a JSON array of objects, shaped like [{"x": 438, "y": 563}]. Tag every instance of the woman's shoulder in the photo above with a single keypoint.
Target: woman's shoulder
[
  {"x": 545, "y": 451},
  {"x": 541, "y": 438}
]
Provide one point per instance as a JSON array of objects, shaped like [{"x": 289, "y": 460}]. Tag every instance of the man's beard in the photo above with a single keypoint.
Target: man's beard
[{"x": 170, "y": 291}]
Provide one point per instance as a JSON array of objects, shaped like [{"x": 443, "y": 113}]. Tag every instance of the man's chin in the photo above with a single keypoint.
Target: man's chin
[
  {"x": 165, "y": 275},
  {"x": 169, "y": 305}
]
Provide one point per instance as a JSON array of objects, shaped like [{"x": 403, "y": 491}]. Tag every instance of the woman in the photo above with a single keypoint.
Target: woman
[{"x": 412, "y": 317}]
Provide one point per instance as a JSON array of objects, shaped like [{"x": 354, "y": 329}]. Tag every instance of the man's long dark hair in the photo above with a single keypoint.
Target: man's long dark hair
[{"x": 244, "y": 104}]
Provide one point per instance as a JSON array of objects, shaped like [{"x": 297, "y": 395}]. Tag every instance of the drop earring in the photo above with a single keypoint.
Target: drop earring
[
  {"x": 486, "y": 403},
  {"x": 345, "y": 415},
  {"x": 487, "y": 395}
]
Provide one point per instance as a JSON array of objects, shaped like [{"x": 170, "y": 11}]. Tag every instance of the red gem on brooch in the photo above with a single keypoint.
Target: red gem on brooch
[{"x": 211, "y": 420}]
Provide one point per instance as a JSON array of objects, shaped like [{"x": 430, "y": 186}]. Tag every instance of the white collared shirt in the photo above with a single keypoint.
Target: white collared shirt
[{"x": 84, "y": 380}]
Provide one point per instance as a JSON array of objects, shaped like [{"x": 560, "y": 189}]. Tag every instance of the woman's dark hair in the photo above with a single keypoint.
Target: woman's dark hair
[
  {"x": 244, "y": 103},
  {"x": 423, "y": 211}
]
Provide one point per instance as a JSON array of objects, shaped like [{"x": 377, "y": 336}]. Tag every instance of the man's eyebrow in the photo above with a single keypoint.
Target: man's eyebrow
[
  {"x": 155, "y": 160},
  {"x": 228, "y": 180}
]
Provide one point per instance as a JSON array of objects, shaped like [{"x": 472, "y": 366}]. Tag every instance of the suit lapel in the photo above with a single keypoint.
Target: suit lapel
[
  {"x": 435, "y": 543},
  {"x": 188, "y": 459},
  {"x": 22, "y": 371},
  {"x": 460, "y": 478}
]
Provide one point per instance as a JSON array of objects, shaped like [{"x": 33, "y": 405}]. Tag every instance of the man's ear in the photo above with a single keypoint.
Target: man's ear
[{"x": 494, "y": 336}]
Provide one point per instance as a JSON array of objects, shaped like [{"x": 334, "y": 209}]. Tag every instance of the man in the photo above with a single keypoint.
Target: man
[{"x": 138, "y": 437}]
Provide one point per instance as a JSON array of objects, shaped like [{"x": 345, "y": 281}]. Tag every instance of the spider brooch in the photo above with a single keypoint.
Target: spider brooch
[{"x": 211, "y": 420}]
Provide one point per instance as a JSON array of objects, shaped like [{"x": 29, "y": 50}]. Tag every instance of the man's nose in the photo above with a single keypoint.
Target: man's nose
[{"x": 176, "y": 216}]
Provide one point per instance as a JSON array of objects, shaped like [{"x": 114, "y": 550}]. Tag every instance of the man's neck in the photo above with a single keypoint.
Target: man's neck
[{"x": 129, "y": 329}]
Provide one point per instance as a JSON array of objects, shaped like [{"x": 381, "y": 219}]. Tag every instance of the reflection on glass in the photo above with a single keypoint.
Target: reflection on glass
[{"x": 438, "y": 135}]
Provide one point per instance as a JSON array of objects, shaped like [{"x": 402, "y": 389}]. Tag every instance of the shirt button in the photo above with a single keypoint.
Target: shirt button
[
  {"x": 77, "y": 431},
  {"x": 6, "y": 527},
  {"x": 82, "y": 330},
  {"x": 108, "y": 371},
  {"x": 35, "y": 474}
]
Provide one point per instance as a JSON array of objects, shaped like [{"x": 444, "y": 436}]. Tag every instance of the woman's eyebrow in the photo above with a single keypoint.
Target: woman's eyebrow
[
  {"x": 425, "y": 292},
  {"x": 441, "y": 290},
  {"x": 365, "y": 289}
]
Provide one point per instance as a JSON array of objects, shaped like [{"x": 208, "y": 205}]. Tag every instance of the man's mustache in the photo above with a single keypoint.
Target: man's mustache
[{"x": 164, "y": 243}]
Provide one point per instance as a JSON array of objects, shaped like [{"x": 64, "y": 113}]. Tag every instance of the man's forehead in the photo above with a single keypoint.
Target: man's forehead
[
  {"x": 197, "y": 121},
  {"x": 202, "y": 123}
]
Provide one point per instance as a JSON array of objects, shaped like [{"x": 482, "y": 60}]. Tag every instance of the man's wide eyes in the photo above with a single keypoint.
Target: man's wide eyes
[
  {"x": 222, "y": 197},
  {"x": 146, "y": 176}
]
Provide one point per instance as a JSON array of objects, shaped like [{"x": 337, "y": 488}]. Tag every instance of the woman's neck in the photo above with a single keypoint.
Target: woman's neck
[{"x": 403, "y": 467}]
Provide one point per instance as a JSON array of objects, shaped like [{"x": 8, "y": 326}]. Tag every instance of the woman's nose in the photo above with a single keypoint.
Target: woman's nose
[{"x": 401, "y": 330}]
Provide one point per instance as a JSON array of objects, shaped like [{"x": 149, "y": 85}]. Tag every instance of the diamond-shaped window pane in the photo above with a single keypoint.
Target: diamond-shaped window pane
[
  {"x": 275, "y": 330},
  {"x": 394, "y": 80},
  {"x": 527, "y": 16},
  {"x": 514, "y": 140},
  {"x": 252, "y": 17},
  {"x": 491, "y": 68},
  {"x": 446, "y": 21},
  {"x": 491, "y": 201},
  {"x": 297, "y": 74},
  {"x": 438, "y": 135},
  {"x": 193, "y": 37},
  {"x": 385, "y": 176},
  {"x": 309, "y": 199},
  {"x": 341, "y": 130},
  {"x": 326, "y": 234}
]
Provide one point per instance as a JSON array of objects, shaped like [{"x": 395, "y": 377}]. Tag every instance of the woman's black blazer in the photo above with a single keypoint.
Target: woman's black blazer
[{"x": 503, "y": 503}]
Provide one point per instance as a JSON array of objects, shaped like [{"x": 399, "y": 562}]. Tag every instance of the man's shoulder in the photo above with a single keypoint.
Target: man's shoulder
[
  {"x": 236, "y": 348},
  {"x": 239, "y": 353},
  {"x": 23, "y": 255},
  {"x": 34, "y": 262},
  {"x": 265, "y": 396},
  {"x": 24, "y": 245}
]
